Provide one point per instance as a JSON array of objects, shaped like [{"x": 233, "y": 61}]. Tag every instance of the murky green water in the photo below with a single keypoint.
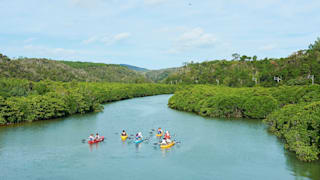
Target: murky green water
[{"x": 209, "y": 149}]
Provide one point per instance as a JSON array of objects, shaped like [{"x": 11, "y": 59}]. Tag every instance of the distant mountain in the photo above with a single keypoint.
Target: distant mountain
[
  {"x": 40, "y": 69},
  {"x": 135, "y": 68},
  {"x": 160, "y": 75}
]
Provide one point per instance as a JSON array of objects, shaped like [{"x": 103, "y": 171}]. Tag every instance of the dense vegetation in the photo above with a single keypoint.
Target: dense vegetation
[
  {"x": 42, "y": 69},
  {"x": 23, "y": 100},
  {"x": 242, "y": 71},
  {"x": 160, "y": 76},
  {"x": 135, "y": 68},
  {"x": 293, "y": 113}
]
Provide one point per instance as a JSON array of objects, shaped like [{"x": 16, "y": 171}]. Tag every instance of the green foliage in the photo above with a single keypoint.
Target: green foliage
[
  {"x": 222, "y": 106},
  {"x": 14, "y": 87},
  {"x": 216, "y": 101},
  {"x": 259, "y": 106},
  {"x": 240, "y": 71},
  {"x": 43, "y": 69},
  {"x": 47, "y": 99},
  {"x": 299, "y": 125}
]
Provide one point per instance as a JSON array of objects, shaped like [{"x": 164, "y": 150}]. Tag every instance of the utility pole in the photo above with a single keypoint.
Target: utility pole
[
  {"x": 255, "y": 80},
  {"x": 312, "y": 78},
  {"x": 278, "y": 79}
]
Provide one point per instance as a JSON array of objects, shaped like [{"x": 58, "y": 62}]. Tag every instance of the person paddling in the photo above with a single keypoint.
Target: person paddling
[
  {"x": 91, "y": 138},
  {"x": 139, "y": 136},
  {"x": 163, "y": 142},
  {"x": 160, "y": 130},
  {"x": 97, "y": 136},
  {"x": 168, "y": 141},
  {"x": 123, "y": 133},
  {"x": 167, "y": 135}
]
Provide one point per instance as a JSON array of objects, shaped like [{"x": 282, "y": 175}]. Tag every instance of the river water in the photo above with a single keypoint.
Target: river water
[{"x": 209, "y": 148}]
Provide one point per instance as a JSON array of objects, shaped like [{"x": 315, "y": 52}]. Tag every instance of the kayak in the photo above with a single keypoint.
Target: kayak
[
  {"x": 96, "y": 140},
  {"x": 159, "y": 135},
  {"x": 123, "y": 138},
  {"x": 167, "y": 145},
  {"x": 138, "y": 141}
]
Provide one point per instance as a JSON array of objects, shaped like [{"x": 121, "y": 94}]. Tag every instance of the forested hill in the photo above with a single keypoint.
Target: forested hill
[
  {"x": 42, "y": 69},
  {"x": 134, "y": 68},
  {"x": 160, "y": 76},
  {"x": 244, "y": 70}
]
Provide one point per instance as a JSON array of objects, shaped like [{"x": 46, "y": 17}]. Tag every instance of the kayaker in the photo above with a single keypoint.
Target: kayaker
[
  {"x": 168, "y": 141},
  {"x": 139, "y": 136},
  {"x": 163, "y": 142},
  {"x": 167, "y": 135},
  {"x": 97, "y": 136},
  {"x": 123, "y": 133},
  {"x": 160, "y": 130},
  {"x": 91, "y": 138}
]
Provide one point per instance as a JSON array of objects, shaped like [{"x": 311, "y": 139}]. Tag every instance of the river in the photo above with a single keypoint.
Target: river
[{"x": 209, "y": 148}]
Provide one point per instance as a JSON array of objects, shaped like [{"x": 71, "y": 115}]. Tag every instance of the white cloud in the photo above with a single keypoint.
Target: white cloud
[
  {"x": 267, "y": 47},
  {"x": 91, "y": 40},
  {"x": 107, "y": 39},
  {"x": 29, "y": 40},
  {"x": 194, "y": 38},
  {"x": 46, "y": 51}
]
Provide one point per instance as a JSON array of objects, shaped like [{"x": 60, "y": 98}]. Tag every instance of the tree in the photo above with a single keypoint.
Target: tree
[
  {"x": 235, "y": 56},
  {"x": 315, "y": 46},
  {"x": 254, "y": 58}
]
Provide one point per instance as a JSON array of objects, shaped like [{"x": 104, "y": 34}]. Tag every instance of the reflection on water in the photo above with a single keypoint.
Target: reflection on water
[
  {"x": 93, "y": 146},
  {"x": 138, "y": 147},
  {"x": 302, "y": 169}
]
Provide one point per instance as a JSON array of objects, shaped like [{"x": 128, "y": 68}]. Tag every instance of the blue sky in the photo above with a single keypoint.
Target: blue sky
[{"x": 156, "y": 33}]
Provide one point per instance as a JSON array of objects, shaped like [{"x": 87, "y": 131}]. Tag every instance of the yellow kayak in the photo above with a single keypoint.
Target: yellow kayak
[
  {"x": 159, "y": 135},
  {"x": 123, "y": 138},
  {"x": 167, "y": 145}
]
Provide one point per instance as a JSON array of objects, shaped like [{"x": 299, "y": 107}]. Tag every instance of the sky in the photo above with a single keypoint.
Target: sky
[{"x": 156, "y": 34}]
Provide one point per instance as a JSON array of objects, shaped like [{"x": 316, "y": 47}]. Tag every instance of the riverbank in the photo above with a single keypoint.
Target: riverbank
[
  {"x": 292, "y": 112},
  {"x": 27, "y": 101}
]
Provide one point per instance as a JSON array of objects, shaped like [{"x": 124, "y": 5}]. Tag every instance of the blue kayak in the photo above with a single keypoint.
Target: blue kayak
[{"x": 138, "y": 141}]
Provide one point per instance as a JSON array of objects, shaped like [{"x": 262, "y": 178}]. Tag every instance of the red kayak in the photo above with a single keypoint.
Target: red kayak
[{"x": 96, "y": 140}]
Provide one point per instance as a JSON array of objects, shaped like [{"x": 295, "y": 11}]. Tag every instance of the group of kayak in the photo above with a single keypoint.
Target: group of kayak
[{"x": 166, "y": 141}]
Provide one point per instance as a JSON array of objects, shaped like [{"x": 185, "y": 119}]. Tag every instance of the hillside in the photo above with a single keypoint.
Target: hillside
[
  {"x": 41, "y": 69},
  {"x": 161, "y": 75},
  {"x": 243, "y": 70},
  {"x": 135, "y": 68}
]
